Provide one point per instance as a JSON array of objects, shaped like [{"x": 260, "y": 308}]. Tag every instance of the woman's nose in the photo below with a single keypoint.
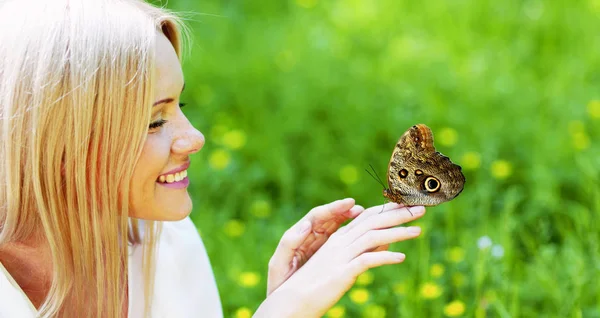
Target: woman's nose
[{"x": 188, "y": 141}]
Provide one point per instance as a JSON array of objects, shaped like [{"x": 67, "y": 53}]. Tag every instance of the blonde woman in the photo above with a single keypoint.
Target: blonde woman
[{"x": 94, "y": 155}]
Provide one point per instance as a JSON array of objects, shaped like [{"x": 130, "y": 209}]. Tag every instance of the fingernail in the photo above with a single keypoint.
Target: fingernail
[
  {"x": 413, "y": 229},
  {"x": 417, "y": 210},
  {"x": 304, "y": 227},
  {"x": 400, "y": 256}
]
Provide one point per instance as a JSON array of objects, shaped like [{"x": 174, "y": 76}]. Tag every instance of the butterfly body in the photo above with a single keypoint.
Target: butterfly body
[{"x": 418, "y": 174}]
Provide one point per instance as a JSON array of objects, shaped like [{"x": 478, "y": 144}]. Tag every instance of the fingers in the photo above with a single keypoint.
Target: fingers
[
  {"x": 329, "y": 210},
  {"x": 283, "y": 258},
  {"x": 382, "y": 220},
  {"x": 354, "y": 212},
  {"x": 369, "y": 260},
  {"x": 372, "y": 211},
  {"x": 375, "y": 239}
]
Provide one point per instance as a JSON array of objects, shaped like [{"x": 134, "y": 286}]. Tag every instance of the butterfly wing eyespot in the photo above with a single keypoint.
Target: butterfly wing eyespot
[
  {"x": 403, "y": 173},
  {"x": 432, "y": 184}
]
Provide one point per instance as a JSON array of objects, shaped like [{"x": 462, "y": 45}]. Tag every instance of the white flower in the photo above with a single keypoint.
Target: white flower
[
  {"x": 484, "y": 242},
  {"x": 497, "y": 251}
]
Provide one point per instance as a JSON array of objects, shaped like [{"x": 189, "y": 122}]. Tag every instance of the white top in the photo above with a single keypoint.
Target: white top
[{"x": 184, "y": 284}]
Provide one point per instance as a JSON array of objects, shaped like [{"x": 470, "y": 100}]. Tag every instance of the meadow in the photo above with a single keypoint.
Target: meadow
[{"x": 296, "y": 98}]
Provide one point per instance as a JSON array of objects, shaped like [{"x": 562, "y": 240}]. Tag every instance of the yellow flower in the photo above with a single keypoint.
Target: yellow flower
[
  {"x": 243, "y": 312},
  {"x": 308, "y": 4},
  {"x": 359, "y": 295},
  {"x": 260, "y": 208},
  {"x": 349, "y": 174},
  {"x": 593, "y": 108},
  {"x": 456, "y": 254},
  {"x": 234, "y": 139},
  {"x": 365, "y": 278},
  {"x": 501, "y": 169},
  {"x": 400, "y": 288},
  {"x": 581, "y": 141},
  {"x": 219, "y": 159},
  {"x": 458, "y": 279},
  {"x": 431, "y": 290},
  {"x": 234, "y": 228},
  {"x": 249, "y": 279},
  {"x": 337, "y": 311},
  {"x": 447, "y": 137},
  {"x": 454, "y": 309},
  {"x": 374, "y": 311},
  {"x": 471, "y": 160},
  {"x": 436, "y": 270}
]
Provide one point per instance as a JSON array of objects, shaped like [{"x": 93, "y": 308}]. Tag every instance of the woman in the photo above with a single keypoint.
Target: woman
[{"x": 93, "y": 162}]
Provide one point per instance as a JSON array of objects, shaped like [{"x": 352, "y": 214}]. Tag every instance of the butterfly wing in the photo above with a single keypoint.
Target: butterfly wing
[{"x": 418, "y": 175}]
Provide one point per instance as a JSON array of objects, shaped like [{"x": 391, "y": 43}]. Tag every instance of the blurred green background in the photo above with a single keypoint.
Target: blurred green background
[{"x": 297, "y": 97}]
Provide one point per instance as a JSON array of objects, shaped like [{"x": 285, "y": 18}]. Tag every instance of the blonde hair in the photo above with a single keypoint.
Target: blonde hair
[{"x": 76, "y": 89}]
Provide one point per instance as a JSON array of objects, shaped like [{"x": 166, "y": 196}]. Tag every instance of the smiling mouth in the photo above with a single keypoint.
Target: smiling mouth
[{"x": 172, "y": 178}]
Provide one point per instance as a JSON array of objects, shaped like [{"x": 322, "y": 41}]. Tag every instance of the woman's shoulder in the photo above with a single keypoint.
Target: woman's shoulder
[{"x": 184, "y": 282}]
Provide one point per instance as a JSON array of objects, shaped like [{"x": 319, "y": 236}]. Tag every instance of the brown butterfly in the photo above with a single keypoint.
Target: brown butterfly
[{"x": 419, "y": 175}]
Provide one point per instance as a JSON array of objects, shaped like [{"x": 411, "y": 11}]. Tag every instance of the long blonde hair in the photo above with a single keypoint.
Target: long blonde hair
[{"x": 76, "y": 89}]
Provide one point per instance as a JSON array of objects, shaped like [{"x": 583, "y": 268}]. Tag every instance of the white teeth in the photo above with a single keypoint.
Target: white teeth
[{"x": 170, "y": 178}]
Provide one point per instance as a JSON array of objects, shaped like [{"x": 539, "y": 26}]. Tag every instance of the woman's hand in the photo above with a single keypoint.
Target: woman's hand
[
  {"x": 302, "y": 240},
  {"x": 333, "y": 269}
]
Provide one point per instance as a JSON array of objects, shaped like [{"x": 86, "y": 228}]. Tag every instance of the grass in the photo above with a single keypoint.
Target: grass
[{"x": 296, "y": 98}]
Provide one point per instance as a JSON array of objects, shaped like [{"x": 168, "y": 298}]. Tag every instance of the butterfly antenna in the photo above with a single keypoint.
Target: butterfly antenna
[{"x": 376, "y": 176}]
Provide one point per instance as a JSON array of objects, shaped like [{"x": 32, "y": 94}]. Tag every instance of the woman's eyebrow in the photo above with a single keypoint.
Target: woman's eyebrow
[{"x": 166, "y": 100}]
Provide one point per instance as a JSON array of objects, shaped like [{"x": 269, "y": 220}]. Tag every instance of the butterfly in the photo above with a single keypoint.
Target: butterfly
[{"x": 418, "y": 174}]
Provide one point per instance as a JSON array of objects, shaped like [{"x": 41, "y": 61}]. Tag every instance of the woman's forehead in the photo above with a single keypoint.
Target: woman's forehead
[{"x": 169, "y": 76}]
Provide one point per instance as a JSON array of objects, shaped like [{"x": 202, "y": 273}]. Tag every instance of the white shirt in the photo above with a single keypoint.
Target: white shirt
[{"x": 184, "y": 283}]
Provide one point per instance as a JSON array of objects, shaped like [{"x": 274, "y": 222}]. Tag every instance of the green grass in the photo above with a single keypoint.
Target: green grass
[{"x": 295, "y": 102}]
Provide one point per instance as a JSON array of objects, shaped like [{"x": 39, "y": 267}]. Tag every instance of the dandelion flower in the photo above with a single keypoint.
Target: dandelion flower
[
  {"x": 374, "y": 311},
  {"x": 337, "y": 311},
  {"x": 456, "y": 254},
  {"x": 261, "y": 208},
  {"x": 454, "y": 308},
  {"x": 234, "y": 139},
  {"x": 447, "y": 137},
  {"x": 249, "y": 279},
  {"x": 471, "y": 160},
  {"x": 359, "y": 296},
  {"x": 349, "y": 174},
  {"x": 365, "y": 278},
  {"x": 234, "y": 228},
  {"x": 581, "y": 141},
  {"x": 219, "y": 159},
  {"x": 437, "y": 270},
  {"x": 243, "y": 312},
  {"x": 484, "y": 242},
  {"x": 431, "y": 290},
  {"x": 497, "y": 251},
  {"x": 501, "y": 169},
  {"x": 593, "y": 108}
]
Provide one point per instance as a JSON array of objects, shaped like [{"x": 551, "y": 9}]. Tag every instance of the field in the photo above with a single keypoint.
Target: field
[{"x": 297, "y": 98}]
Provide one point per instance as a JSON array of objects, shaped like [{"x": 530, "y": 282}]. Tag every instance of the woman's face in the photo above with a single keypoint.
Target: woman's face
[{"x": 159, "y": 184}]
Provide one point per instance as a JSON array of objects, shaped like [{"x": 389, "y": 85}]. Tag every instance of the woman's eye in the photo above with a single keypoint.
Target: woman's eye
[{"x": 157, "y": 123}]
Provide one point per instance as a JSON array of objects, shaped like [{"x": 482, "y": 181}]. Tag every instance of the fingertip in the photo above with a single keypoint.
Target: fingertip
[
  {"x": 416, "y": 210},
  {"x": 342, "y": 205},
  {"x": 355, "y": 211}
]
